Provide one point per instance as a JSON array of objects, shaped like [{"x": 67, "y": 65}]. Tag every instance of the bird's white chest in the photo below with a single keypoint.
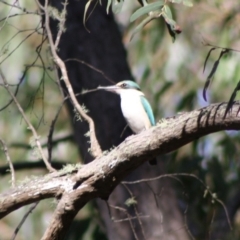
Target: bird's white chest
[{"x": 134, "y": 112}]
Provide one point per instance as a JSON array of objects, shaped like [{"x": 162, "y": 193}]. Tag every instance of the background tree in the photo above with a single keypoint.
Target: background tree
[{"x": 139, "y": 209}]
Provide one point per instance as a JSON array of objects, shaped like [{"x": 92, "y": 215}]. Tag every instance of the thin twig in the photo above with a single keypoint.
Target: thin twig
[
  {"x": 215, "y": 46},
  {"x": 5, "y": 21},
  {"x": 91, "y": 67},
  {"x": 95, "y": 147},
  {"x": 23, "y": 220},
  {"x": 5, "y": 149},
  {"x": 30, "y": 126},
  {"x": 136, "y": 211},
  {"x": 10, "y": 53},
  {"x": 171, "y": 175},
  {"x": 39, "y": 5},
  {"x": 129, "y": 217},
  {"x": 27, "y": 67},
  {"x": 186, "y": 224},
  {"x": 18, "y": 7},
  {"x": 174, "y": 176},
  {"x": 62, "y": 21},
  {"x": 19, "y": 14},
  {"x": 50, "y": 134}
]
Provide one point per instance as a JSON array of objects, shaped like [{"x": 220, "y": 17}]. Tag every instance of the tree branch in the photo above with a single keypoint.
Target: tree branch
[
  {"x": 5, "y": 149},
  {"x": 29, "y": 124},
  {"x": 95, "y": 147},
  {"x": 100, "y": 177}
]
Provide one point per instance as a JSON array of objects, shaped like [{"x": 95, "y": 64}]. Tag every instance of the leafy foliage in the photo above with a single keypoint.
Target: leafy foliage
[
  {"x": 154, "y": 10},
  {"x": 170, "y": 75},
  {"x": 214, "y": 69}
]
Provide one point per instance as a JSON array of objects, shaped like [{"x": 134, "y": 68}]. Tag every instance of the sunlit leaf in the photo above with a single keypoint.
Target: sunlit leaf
[
  {"x": 176, "y": 1},
  {"x": 146, "y": 9},
  {"x": 168, "y": 11},
  {"x": 117, "y": 6},
  {"x": 108, "y": 5},
  {"x": 85, "y": 11},
  {"x": 188, "y": 3},
  {"x": 142, "y": 24},
  {"x": 172, "y": 27},
  {"x": 170, "y": 21}
]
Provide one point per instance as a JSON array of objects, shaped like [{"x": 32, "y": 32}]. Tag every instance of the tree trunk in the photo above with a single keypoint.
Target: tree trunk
[{"x": 99, "y": 44}]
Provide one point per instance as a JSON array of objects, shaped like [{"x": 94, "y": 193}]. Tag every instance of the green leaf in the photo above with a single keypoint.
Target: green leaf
[
  {"x": 188, "y": 3},
  {"x": 146, "y": 9},
  {"x": 131, "y": 201},
  {"x": 176, "y": 1},
  {"x": 108, "y": 5},
  {"x": 173, "y": 29},
  {"x": 85, "y": 11},
  {"x": 170, "y": 21},
  {"x": 117, "y": 6},
  {"x": 142, "y": 24},
  {"x": 168, "y": 11}
]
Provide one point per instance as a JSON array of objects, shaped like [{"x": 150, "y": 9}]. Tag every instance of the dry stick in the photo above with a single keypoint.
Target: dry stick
[
  {"x": 59, "y": 217},
  {"x": 30, "y": 126},
  {"x": 5, "y": 21},
  {"x": 91, "y": 67},
  {"x": 62, "y": 20},
  {"x": 50, "y": 134},
  {"x": 174, "y": 175},
  {"x": 19, "y": 44},
  {"x": 95, "y": 147},
  {"x": 18, "y": 7},
  {"x": 23, "y": 220},
  {"x": 9, "y": 162},
  {"x": 19, "y": 14},
  {"x": 129, "y": 217},
  {"x": 135, "y": 210}
]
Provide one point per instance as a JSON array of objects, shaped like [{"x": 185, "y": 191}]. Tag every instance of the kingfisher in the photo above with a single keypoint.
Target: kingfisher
[{"x": 135, "y": 107}]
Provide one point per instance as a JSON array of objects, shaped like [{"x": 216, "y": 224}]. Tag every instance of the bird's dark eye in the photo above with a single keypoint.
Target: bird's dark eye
[{"x": 124, "y": 85}]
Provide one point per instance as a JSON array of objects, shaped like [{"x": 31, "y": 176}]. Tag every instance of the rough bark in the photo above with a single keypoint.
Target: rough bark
[
  {"x": 100, "y": 177},
  {"x": 99, "y": 44}
]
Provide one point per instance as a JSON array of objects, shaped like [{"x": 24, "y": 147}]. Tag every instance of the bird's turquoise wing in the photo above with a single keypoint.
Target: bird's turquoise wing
[{"x": 148, "y": 109}]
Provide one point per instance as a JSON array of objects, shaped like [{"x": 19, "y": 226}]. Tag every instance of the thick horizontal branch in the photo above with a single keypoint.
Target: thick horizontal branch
[
  {"x": 166, "y": 137},
  {"x": 100, "y": 177},
  {"x": 47, "y": 186}
]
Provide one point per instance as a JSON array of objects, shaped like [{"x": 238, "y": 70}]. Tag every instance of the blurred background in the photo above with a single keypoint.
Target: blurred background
[{"x": 172, "y": 78}]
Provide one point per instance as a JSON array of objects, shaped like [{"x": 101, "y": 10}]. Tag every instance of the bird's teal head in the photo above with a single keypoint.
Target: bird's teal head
[
  {"x": 122, "y": 86},
  {"x": 128, "y": 84}
]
